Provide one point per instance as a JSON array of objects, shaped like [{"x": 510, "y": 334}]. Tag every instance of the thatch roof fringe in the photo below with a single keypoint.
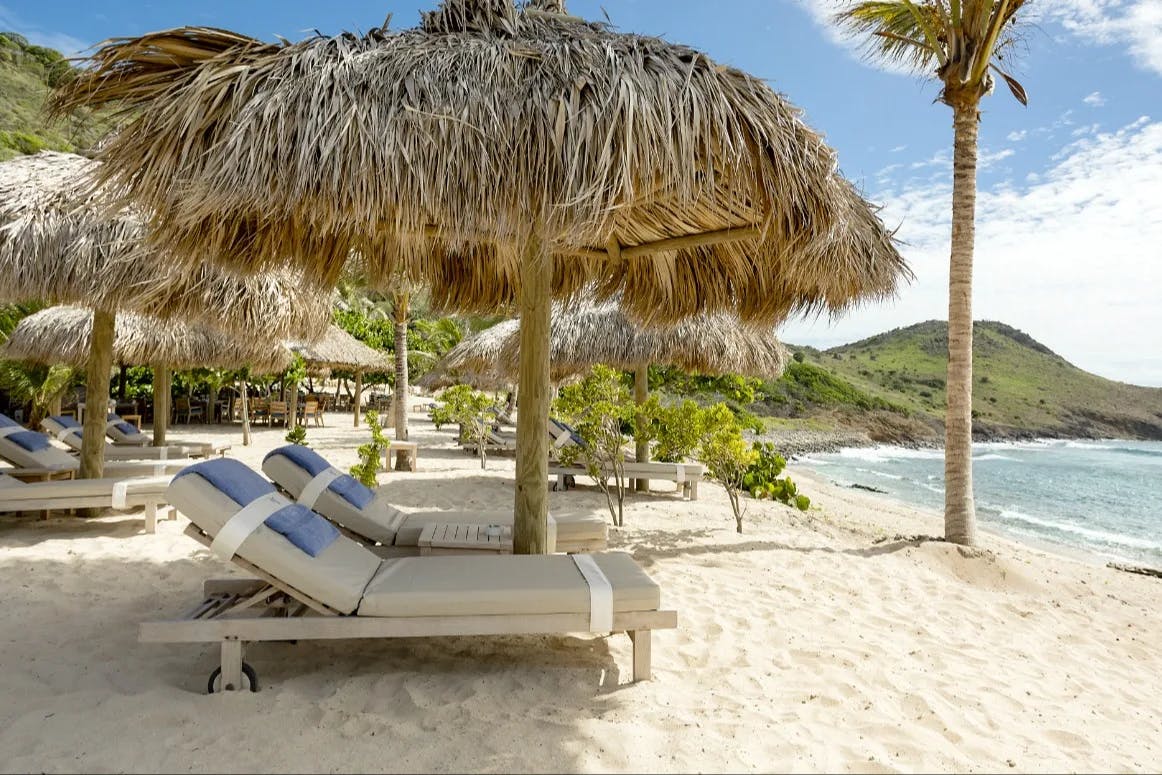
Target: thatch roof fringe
[
  {"x": 338, "y": 349},
  {"x": 433, "y": 152},
  {"x": 62, "y": 334},
  {"x": 58, "y": 243},
  {"x": 584, "y": 334}
]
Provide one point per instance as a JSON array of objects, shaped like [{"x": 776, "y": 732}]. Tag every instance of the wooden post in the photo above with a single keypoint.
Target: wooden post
[
  {"x": 641, "y": 393},
  {"x": 97, "y": 394},
  {"x": 531, "y": 507},
  {"x": 54, "y": 406},
  {"x": 160, "y": 403},
  {"x": 358, "y": 396},
  {"x": 293, "y": 405},
  {"x": 121, "y": 378},
  {"x": 400, "y": 321},
  {"x": 245, "y": 393}
]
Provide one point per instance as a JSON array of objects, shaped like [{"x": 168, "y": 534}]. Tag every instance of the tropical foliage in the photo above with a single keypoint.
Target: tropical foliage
[
  {"x": 371, "y": 453},
  {"x": 726, "y": 455},
  {"x": 473, "y": 410}
]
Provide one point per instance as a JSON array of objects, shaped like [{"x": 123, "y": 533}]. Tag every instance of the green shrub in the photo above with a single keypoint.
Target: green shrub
[
  {"x": 371, "y": 453},
  {"x": 762, "y": 480},
  {"x": 599, "y": 407},
  {"x": 726, "y": 455},
  {"x": 297, "y": 435}
]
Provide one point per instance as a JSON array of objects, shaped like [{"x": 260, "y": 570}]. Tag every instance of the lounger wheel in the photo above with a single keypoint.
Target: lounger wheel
[{"x": 247, "y": 671}]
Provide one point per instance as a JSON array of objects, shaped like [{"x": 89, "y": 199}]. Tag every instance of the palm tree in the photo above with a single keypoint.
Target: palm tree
[{"x": 961, "y": 42}]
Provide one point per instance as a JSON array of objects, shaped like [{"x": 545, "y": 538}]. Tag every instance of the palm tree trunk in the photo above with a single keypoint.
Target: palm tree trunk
[
  {"x": 531, "y": 506},
  {"x": 400, "y": 320},
  {"x": 959, "y": 510},
  {"x": 97, "y": 394},
  {"x": 358, "y": 396}
]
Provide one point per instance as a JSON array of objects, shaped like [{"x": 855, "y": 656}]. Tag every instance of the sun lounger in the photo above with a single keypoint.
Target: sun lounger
[
  {"x": 70, "y": 433},
  {"x": 685, "y": 475},
  {"x": 123, "y": 433},
  {"x": 148, "y": 492},
  {"x": 32, "y": 454},
  {"x": 370, "y": 517},
  {"x": 314, "y": 585}
]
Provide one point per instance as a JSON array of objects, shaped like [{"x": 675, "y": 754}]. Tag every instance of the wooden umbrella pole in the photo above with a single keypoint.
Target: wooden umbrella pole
[
  {"x": 358, "y": 395},
  {"x": 641, "y": 393},
  {"x": 531, "y": 508},
  {"x": 160, "y": 403},
  {"x": 400, "y": 324},
  {"x": 97, "y": 394},
  {"x": 245, "y": 392}
]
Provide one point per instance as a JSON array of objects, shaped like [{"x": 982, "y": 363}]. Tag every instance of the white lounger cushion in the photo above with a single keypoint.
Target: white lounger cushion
[
  {"x": 376, "y": 521},
  {"x": 52, "y": 457},
  {"x": 471, "y": 585},
  {"x": 336, "y": 577}
]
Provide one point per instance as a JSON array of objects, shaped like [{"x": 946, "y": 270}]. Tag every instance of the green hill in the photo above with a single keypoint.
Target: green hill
[
  {"x": 27, "y": 74},
  {"x": 892, "y": 385}
]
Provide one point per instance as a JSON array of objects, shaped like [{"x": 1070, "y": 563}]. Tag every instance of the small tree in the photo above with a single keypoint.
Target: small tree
[
  {"x": 370, "y": 453},
  {"x": 476, "y": 413},
  {"x": 679, "y": 430},
  {"x": 762, "y": 478},
  {"x": 599, "y": 406},
  {"x": 726, "y": 455}
]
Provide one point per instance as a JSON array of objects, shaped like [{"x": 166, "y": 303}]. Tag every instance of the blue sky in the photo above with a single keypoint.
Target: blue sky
[{"x": 1069, "y": 241}]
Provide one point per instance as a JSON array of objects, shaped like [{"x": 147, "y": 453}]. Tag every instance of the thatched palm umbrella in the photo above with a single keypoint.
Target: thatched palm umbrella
[
  {"x": 62, "y": 335},
  {"x": 585, "y": 334},
  {"x": 58, "y": 245},
  {"x": 497, "y": 155},
  {"x": 337, "y": 349}
]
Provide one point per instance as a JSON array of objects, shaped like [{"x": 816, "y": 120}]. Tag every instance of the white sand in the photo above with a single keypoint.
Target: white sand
[{"x": 802, "y": 645}]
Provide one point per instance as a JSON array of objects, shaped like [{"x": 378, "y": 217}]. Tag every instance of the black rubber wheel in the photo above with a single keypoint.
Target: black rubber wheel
[{"x": 247, "y": 671}]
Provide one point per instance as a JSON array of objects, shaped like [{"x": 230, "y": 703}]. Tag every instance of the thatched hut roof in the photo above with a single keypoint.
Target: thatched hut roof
[
  {"x": 58, "y": 245},
  {"x": 337, "y": 349},
  {"x": 679, "y": 184},
  {"x": 585, "y": 334},
  {"x": 61, "y": 335},
  {"x": 473, "y": 361}
]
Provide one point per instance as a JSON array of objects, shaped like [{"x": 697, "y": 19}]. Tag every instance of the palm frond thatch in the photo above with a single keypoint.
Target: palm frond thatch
[
  {"x": 585, "y": 334},
  {"x": 62, "y": 334},
  {"x": 435, "y": 152},
  {"x": 58, "y": 245},
  {"x": 337, "y": 349}
]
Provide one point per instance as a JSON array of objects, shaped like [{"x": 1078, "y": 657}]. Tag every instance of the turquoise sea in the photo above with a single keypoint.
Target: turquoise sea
[{"x": 1101, "y": 497}]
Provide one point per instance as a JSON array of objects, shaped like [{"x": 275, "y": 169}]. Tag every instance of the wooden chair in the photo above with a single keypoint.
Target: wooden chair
[
  {"x": 279, "y": 412},
  {"x": 311, "y": 412},
  {"x": 190, "y": 410}
]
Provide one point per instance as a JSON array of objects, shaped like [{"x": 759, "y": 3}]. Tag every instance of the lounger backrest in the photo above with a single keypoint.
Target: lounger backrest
[
  {"x": 66, "y": 433},
  {"x": 377, "y": 521},
  {"x": 336, "y": 577},
  {"x": 119, "y": 430},
  {"x": 49, "y": 457}
]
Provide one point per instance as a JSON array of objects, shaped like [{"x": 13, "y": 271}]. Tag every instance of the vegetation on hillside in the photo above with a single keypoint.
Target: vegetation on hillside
[{"x": 27, "y": 73}]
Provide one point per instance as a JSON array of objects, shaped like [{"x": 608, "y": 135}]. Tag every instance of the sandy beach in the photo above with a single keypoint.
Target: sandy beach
[{"x": 816, "y": 641}]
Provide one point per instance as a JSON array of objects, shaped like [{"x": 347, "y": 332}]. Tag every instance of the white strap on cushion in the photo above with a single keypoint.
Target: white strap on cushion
[
  {"x": 64, "y": 433},
  {"x": 315, "y": 487},
  {"x": 562, "y": 440},
  {"x": 600, "y": 593},
  {"x": 111, "y": 424},
  {"x": 239, "y": 527},
  {"x": 163, "y": 454},
  {"x": 397, "y": 519},
  {"x": 8, "y": 430}
]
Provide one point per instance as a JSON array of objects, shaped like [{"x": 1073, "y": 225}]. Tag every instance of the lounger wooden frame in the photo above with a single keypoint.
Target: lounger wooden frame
[
  {"x": 692, "y": 474},
  {"x": 154, "y": 505},
  {"x": 239, "y": 611}
]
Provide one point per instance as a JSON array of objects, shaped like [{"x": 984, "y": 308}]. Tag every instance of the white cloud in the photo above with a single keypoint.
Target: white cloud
[
  {"x": 1071, "y": 256},
  {"x": 1094, "y": 100},
  {"x": 1133, "y": 24},
  {"x": 898, "y": 148},
  {"x": 66, "y": 44},
  {"x": 1018, "y": 136}
]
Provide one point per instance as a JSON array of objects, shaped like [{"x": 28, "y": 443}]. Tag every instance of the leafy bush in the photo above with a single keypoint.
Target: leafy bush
[
  {"x": 762, "y": 478},
  {"x": 598, "y": 406},
  {"x": 371, "y": 453},
  {"x": 297, "y": 435}
]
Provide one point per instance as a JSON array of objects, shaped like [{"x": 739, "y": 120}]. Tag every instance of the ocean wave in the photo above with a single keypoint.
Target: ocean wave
[
  {"x": 1101, "y": 536},
  {"x": 1137, "y": 451},
  {"x": 992, "y": 456},
  {"x": 882, "y": 474},
  {"x": 883, "y": 454},
  {"x": 1087, "y": 445}
]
